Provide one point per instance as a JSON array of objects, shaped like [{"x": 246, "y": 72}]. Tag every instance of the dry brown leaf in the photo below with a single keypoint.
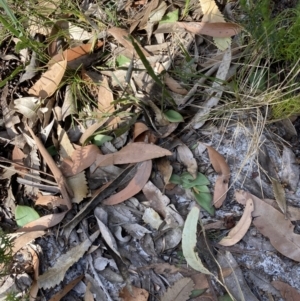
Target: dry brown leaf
[
  {"x": 88, "y": 296},
  {"x": 24, "y": 239},
  {"x": 157, "y": 200},
  {"x": 141, "y": 133},
  {"x": 165, "y": 168},
  {"x": 56, "y": 273},
  {"x": 180, "y": 291},
  {"x": 65, "y": 190},
  {"x": 139, "y": 128},
  {"x": 43, "y": 222},
  {"x": 137, "y": 294},
  {"x": 50, "y": 80},
  {"x": 239, "y": 231},
  {"x": 101, "y": 216},
  {"x": 279, "y": 194},
  {"x": 186, "y": 157},
  {"x": 173, "y": 85},
  {"x": 74, "y": 53},
  {"x": 217, "y": 30},
  {"x": 133, "y": 153},
  {"x": 65, "y": 146},
  {"x": 91, "y": 130},
  {"x": 81, "y": 159},
  {"x": 105, "y": 97},
  {"x": 122, "y": 36},
  {"x": 17, "y": 157},
  {"x": 221, "y": 167},
  {"x": 79, "y": 186},
  {"x": 58, "y": 296},
  {"x": 293, "y": 213},
  {"x": 53, "y": 201},
  {"x": 211, "y": 14},
  {"x": 135, "y": 185},
  {"x": 287, "y": 292},
  {"x": 272, "y": 224},
  {"x": 105, "y": 102}
]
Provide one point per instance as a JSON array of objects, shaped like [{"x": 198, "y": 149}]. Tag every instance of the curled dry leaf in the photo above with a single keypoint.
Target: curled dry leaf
[
  {"x": 135, "y": 185},
  {"x": 239, "y": 231},
  {"x": 81, "y": 159},
  {"x": 287, "y": 292},
  {"x": 186, "y": 157},
  {"x": 273, "y": 224},
  {"x": 157, "y": 200},
  {"x": 48, "y": 83},
  {"x": 141, "y": 133},
  {"x": 165, "y": 168},
  {"x": 56, "y": 274},
  {"x": 221, "y": 167},
  {"x": 133, "y": 153},
  {"x": 180, "y": 291}
]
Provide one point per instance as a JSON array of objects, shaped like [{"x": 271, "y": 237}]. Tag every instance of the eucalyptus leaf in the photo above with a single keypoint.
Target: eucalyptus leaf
[
  {"x": 173, "y": 116},
  {"x": 25, "y": 215},
  {"x": 204, "y": 200},
  {"x": 189, "y": 240}
]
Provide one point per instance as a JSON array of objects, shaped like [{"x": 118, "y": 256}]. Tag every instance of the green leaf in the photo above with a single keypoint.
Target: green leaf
[
  {"x": 189, "y": 240},
  {"x": 25, "y": 215},
  {"x": 175, "y": 179},
  {"x": 170, "y": 17},
  {"x": 101, "y": 139},
  {"x": 225, "y": 298},
  {"x": 188, "y": 181},
  {"x": 202, "y": 188},
  {"x": 122, "y": 60},
  {"x": 196, "y": 293},
  {"x": 204, "y": 200},
  {"x": 173, "y": 116},
  {"x": 52, "y": 150}
]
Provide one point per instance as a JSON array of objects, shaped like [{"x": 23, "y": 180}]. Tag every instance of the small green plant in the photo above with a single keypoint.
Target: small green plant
[
  {"x": 5, "y": 253},
  {"x": 199, "y": 188}
]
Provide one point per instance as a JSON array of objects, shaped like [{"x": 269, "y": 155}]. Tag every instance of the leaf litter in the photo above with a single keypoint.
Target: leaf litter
[{"x": 78, "y": 182}]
